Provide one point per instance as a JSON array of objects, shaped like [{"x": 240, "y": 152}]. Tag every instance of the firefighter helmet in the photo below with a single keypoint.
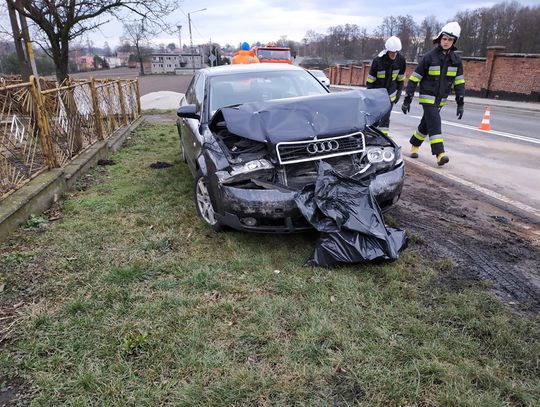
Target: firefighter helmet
[
  {"x": 393, "y": 44},
  {"x": 451, "y": 29}
]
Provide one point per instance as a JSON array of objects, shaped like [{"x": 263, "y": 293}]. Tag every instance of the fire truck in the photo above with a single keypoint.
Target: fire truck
[{"x": 279, "y": 55}]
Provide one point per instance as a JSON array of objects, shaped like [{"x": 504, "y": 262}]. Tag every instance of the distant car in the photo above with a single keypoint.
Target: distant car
[
  {"x": 321, "y": 76},
  {"x": 253, "y": 135}
]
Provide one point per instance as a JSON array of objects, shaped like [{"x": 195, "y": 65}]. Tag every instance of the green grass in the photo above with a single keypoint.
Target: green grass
[{"x": 134, "y": 301}]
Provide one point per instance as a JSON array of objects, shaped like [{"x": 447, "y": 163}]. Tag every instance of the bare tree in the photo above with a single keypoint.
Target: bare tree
[
  {"x": 138, "y": 35},
  {"x": 58, "y": 23},
  {"x": 429, "y": 27}
]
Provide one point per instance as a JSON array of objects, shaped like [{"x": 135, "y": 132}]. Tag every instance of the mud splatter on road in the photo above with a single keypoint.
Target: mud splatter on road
[{"x": 485, "y": 241}]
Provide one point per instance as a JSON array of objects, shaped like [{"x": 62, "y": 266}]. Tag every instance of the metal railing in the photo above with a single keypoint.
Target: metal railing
[{"x": 46, "y": 129}]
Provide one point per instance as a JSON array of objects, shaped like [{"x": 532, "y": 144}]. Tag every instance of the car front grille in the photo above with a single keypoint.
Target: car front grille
[{"x": 290, "y": 152}]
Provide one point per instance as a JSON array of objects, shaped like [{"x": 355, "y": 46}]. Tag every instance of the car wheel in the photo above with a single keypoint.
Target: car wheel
[{"x": 203, "y": 203}]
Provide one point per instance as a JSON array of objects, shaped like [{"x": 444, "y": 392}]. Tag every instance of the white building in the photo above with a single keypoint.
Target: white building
[{"x": 171, "y": 63}]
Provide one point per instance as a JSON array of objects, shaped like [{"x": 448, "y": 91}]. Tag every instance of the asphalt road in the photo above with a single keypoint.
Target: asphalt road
[
  {"x": 504, "y": 160},
  {"x": 147, "y": 83}
]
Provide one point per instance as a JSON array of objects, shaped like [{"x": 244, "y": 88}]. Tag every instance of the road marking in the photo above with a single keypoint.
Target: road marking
[
  {"x": 478, "y": 188},
  {"x": 494, "y": 132}
]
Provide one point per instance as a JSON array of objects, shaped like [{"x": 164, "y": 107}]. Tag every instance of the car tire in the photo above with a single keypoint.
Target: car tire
[{"x": 203, "y": 203}]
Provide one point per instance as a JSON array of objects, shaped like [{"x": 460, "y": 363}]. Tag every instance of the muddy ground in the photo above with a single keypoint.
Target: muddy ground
[{"x": 485, "y": 240}]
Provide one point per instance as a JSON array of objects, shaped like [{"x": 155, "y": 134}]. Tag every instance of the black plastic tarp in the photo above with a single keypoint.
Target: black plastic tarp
[
  {"x": 309, "y": 117},
  {"x": 349, "y": 219}
]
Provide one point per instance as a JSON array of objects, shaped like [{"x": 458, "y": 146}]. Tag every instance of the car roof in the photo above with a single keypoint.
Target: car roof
[{"x": 247, "y": 68}]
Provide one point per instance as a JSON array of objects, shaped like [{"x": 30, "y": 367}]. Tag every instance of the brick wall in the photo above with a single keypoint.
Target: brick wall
[{"x": 500, "y": 75}]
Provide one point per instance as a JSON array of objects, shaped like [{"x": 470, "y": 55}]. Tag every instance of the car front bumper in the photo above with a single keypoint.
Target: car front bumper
[{"x": 275, "y": 211}]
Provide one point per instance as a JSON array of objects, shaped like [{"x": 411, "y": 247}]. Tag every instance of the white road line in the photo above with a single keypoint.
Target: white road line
[
  {"x": 478, "y": 188},
  {"x": 494, "y": 132}
]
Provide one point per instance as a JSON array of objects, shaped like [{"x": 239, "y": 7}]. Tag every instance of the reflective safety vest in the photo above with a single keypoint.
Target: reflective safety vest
[
  {"x": 436, "y": 73},
  {"x": 387, "y": 73},
  {"x": 244, "y": 57}
]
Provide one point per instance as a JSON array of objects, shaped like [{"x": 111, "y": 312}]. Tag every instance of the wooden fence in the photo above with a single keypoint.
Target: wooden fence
[{"x": 44, "y": 127}]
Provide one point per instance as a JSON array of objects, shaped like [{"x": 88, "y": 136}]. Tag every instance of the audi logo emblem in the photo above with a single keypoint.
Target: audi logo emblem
[{"x": 322, "y": 147}]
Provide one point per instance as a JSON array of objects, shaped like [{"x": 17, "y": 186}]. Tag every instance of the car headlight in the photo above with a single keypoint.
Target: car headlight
[
  {"x": 380, "y": 154},
  {"x": 251, "y": 166},
  {"x": 244, "y": 171}
]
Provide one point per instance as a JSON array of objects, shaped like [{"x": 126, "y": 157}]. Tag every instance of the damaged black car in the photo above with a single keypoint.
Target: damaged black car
[{"x": 254, "y": 136}]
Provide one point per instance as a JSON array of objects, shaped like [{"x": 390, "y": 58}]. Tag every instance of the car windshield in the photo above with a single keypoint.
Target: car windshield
[
  {"x": 276, "y": 54},
  {"x": 240, "y": 88}
]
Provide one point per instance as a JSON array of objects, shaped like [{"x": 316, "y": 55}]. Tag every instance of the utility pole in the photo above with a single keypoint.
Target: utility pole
[
  {"x": 180, "y": 36},
  {"x": 180, "y": 42},
  {"x": 191, "y": 37}
]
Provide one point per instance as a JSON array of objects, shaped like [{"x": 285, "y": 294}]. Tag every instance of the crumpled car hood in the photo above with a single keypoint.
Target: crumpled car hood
[{"x": 303, "y": 118}]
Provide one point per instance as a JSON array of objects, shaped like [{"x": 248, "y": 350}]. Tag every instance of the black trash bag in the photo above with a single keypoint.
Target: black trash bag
[{"x": 349, "y": 219}]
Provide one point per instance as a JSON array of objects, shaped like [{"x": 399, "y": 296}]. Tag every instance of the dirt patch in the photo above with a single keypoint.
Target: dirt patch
[
  {"x": 11, "y": 392},
  {"x": 485, "y": 242},
  {"x": 160, "y": 164}
]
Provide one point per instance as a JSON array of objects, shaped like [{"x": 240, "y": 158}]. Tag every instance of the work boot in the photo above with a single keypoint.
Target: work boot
[
  {"x": 442, "y": 159},
  {"x": 414, "y": 151}
]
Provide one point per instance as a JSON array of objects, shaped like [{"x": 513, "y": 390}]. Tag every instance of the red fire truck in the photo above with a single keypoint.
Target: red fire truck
[{"x": 279, "y": 55}]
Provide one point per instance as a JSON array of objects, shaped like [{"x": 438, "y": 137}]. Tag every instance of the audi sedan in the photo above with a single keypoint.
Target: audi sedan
[{"x": 253, "y": 136}]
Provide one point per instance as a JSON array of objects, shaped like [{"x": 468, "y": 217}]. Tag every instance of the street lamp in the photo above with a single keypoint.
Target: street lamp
[
  {"x": 180, "y": 42},
  {"x": 191, "y": 38}
]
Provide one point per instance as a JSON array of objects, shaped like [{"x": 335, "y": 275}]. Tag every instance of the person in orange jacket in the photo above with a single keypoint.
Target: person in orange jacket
[{"x": 245, "y": 56}]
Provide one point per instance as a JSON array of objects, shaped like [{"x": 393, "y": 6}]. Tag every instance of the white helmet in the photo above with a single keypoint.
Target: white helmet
[
  {"x": 452, "y": 29},
  {"x": 392, "y": 44}
]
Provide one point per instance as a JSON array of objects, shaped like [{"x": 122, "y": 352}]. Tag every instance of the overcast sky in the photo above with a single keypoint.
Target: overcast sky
[{"x": 256, "y": 20}]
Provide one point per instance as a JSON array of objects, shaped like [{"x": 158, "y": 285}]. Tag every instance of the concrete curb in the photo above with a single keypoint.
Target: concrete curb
[{"x": 41, "y": 192}]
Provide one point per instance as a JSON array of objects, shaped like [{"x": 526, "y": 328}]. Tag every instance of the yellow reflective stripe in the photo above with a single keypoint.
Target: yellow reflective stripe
[
  {"x": 401, "y": 77},
  {"x": 417, "y": 135},
  {"x": 416, "y": 77},
  {"x": 449, "y": 73},
  {"x": 459, "y": 80},
  {"x": 443, "y": 102},
  {"x": 427, "y": 101},
  {"x": 394, "y": 77},
  {"x": 436, "y": 140},
  {"x": 385, "y": 132},
  {"x": 434, "y": 70},
  {"x": 381, "y": 74},
  {"x": 392, "y": 98},
  {"x": 371, "y": 79}
]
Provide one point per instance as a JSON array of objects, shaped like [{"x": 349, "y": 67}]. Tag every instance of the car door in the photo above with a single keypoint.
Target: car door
[{"x": 191, "y": 137}]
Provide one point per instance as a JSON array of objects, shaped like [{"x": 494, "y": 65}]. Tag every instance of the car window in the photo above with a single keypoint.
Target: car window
[
  {"x": 190, "y": 93},
  {"x": 234, "y": 89},
  {"x": 199, "y": 93}
]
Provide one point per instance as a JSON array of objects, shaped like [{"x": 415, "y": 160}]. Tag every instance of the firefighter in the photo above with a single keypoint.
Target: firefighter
[
  {"x": 437, "y": 72},
  {"x": 244, "y": 55},
  {"x": 388, "y": 71}
]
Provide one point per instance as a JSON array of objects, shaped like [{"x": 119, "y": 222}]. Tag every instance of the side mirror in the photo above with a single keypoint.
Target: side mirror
[{"x": 188, "y": 112}]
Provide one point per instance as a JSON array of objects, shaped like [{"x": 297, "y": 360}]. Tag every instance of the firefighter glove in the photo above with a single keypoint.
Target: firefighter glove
[
  {"x": 460, "y": 111},
  {"x": 406, "y": 106}
]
